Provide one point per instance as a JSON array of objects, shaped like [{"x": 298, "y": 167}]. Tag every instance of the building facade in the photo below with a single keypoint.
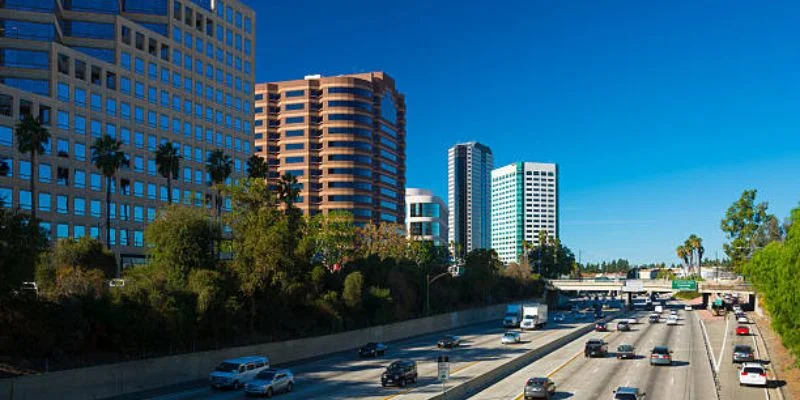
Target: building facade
[
  {"x": 145, "y": 72},
  {"x": 342, "y": 137},
  {"x": 426, "y": 216},
  {"x": 524, "y": 203},
  {"x": 469, "y": 167}
]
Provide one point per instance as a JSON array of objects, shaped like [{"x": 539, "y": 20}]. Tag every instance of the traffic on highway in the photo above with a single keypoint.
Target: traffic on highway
[{"x": 589, "y": 349}]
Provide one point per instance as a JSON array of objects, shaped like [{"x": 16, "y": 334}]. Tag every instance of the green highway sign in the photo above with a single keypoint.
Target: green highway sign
[{"x": 684, "y": 285}]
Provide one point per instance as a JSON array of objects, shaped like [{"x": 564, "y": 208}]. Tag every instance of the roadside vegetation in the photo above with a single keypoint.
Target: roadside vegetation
[{"x": 260, "y": 272}]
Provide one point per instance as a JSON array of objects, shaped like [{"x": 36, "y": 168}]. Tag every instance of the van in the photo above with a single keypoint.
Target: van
[
  {"x": 659, "y": 309},
  {"x": 235, "y": 372}
]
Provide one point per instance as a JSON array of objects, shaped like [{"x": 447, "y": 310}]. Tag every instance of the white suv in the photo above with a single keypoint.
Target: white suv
[
  {"x": 234, "y": 373},
  {"x": 754, "y": 374}
]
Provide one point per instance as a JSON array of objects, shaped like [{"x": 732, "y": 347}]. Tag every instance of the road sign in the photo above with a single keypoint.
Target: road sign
[
  {"x": 684, "y": 285},
  {"x": 633, "y": 286},
  {"x": 444, "y": 368}
]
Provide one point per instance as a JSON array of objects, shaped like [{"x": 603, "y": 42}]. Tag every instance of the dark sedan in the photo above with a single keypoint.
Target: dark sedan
[{"x": 372, "y": 349}]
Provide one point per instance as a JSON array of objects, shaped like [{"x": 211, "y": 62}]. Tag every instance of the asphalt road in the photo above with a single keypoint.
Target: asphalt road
[
  {"x": 722, "y": 335},
  {"x": 578, "y": 378},
  {"x": 345, "y": 376}
]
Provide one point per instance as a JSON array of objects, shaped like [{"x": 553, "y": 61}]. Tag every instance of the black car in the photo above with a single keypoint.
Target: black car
[
  {"x": 372, "y": 350},
  {"x": 399, "y": 373},
  {"x": 595, "y": 348},
  {"x": 449, "y": 342},
  {"x": 742, "y": 353},
  {"x": 653, "y": 319},
  {"x": 623, "y": 326}
]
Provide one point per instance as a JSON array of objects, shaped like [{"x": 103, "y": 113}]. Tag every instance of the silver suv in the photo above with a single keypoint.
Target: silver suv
[{"x": 269, "y": 382}]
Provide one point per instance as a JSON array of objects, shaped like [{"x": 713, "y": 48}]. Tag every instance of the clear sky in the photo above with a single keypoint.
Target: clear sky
[{"x": 659, "y": 114}]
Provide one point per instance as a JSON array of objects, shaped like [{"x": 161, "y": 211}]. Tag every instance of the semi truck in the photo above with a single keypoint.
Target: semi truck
[
  {"x": 534, "y": 316},
  {"x": 513, "y": 316}
]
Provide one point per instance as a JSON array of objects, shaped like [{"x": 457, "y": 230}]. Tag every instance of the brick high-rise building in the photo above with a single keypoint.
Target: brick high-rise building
[
  {"x": 342, "y": 137},
  {"x": 142, "y": 71}
]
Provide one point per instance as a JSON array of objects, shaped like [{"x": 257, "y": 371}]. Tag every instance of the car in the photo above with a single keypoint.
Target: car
[
  {"x": 372, "y": 349},
  {"x": 269, "y": 382},
  {"x": 672, "y": 320},
  {"x": 628, "y": 393},
  {"x": 559, "y": 318},
  {"x": 235, "y": 372},
  {"x": 742, "y": 320},
  {"x": 752, "y": 374},
  {"x": 623, "y": 326},
  {"x": 661, "y": 355},
  {"x": 633, "y": 320},
  {"x": 673, "y": 312},
  {"x": 511, "y": 337},
  {"x": 449, "y": 342},
  {"x": 688, "y": 308},
  {"x": 653, "y": 319},
  {"x": 742, "y": 331},
  {"x": 742, "y": 353},
  {"x": 601, "y": 327},
  {"x": 539, "y": 388},
  {"x": 595, "y": 348},
  {"x": 400, "y": 373},
  {"x": 625, "y": 351},
  {"x": 737, "y": 308}
]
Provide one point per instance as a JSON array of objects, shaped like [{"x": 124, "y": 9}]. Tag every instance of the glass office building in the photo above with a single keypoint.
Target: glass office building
[
  {"x": 469, "y": 167},
  {"x": 145, "y": 72},
  {"x": 426, "y": 216}
]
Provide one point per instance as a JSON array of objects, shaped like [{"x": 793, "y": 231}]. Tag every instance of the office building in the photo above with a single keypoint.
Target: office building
[
  {"x": 524, "y": 203},
  {"x": 469, "y": 167},
  {"x": 142, "y": 71},
  {"x": 342, "y": 137},
  {"x": 426, "y": 216}
]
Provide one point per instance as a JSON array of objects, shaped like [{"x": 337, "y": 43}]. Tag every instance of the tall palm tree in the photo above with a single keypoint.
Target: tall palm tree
[
  {"x": 219, "y": 166},
  {"x": 682, "y": 253},
  {"x": 168, "y": 162},
  {"x": 257, "y": 167},
  {"x": 690, "y": 253},
  {"x": 526, "y": 246},
  {"x": 695, "y": 243},
  {"x": 108, "y": 158},
  {"x": 32, "y": 135},
  {"x": 287, "y": 190}
]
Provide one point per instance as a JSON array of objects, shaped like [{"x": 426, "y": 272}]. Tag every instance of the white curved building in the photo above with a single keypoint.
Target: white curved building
[{"x": 426, "y": 216}]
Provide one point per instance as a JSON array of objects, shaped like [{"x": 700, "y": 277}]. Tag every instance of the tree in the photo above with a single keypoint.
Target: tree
[
  {"x": 168, "y": 162},
  {"x": 683, "y": 254},
  {"x": 178, "y": 243},
  {"x": 261, "y": 241},
  {"x": 257, "y": 167},
  {"x": 108, "y": 158},
  {"x": 742, "y": 223},
  {"x": 21, "y": 237},
  {"x": 219, "y": 166},
  {"x": 76, "y": 268},
  {"x": 330, "y": 238},
  {"x": 32, "y": 136},
  {"x": 384, "y": 241},
  {"x": 353, "y": 289},
  {"x": 770, "y": 231}
]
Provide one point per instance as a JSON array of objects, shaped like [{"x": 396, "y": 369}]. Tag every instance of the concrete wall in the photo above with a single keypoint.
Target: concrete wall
[{"x": 134, "y": 376}]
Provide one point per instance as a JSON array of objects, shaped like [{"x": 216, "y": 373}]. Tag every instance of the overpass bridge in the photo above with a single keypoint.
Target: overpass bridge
[{"x": 648, "y": 286}]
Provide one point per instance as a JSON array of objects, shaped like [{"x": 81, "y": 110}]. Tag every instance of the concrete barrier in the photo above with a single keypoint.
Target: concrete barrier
[
  {"x": 110, "y": 380},
  {"x": 483, "y": 381}
]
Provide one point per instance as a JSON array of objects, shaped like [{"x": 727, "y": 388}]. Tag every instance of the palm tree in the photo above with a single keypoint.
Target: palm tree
[
  {"x": 108, "y": 158},
  {"x": 257, "y": 167},
  {"x": 690, "y": 253},
  {"x": 287, "y": 190},
  {"x": 682, "y": 253},
  {"x": 168, "y": 162},
  {"x": 32, "y": 135},
  {"x": 219, "y": 167},
  {"x": 695, "y": 243}
]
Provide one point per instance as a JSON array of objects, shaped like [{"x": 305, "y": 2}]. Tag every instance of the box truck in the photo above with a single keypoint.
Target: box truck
[
  {"x": 533, "y": 316},
  {"x": 513, "y": 316}
]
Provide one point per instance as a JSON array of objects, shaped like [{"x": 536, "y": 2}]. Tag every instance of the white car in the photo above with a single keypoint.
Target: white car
[
  {"x": 753, "y": 374},
  {"x": 672, "y": 320},
  {"x": 632, "y": 320},
  {"x": 688, "y": 308},
  {"x": 511, "y": 337},
  {"x": 742, "y": 320},
  {"x": 673, "y": 312},
  {"x": 559, "y": 318}
]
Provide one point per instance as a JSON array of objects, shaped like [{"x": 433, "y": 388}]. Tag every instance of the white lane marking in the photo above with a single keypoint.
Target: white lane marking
[
  {"x": 713, "y": 358},
  {"x": 758, "y": 357},
  {"x": 724, "y": 339}
]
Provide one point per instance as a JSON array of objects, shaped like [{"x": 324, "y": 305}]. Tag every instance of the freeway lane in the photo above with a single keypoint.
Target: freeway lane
[
  {"x": 577, "y": 377},
  {"x": 345, "y": 376}
]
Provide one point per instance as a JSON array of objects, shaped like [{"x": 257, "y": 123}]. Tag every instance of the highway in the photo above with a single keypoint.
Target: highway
[
  {"x": 345, "y": 376},
  {"x": 722, "y": 335},
  {"x": 578, "y": 378}
]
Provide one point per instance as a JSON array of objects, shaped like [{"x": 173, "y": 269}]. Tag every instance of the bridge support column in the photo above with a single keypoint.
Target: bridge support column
[
  {"x": 630, "y": 301},
  {"x": 706, "y": 303}
]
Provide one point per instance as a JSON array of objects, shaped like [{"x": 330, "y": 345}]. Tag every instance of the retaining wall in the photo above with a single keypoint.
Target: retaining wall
[{"x": 129, "y": 377}]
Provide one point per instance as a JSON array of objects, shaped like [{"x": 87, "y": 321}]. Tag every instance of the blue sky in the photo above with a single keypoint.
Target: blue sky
[{"x": 659, "y": 114}]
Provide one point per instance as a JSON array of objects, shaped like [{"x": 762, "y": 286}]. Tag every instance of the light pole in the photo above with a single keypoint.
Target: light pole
[{"x": 454, "y": 270}]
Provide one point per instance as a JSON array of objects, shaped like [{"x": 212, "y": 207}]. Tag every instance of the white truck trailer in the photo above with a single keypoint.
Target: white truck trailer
[{"x": 534, "y": 316}]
